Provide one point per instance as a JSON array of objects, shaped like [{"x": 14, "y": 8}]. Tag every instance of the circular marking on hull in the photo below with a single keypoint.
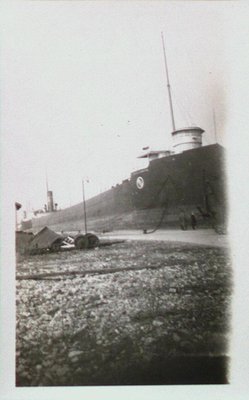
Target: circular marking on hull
[{"x": 140, "y": 182}]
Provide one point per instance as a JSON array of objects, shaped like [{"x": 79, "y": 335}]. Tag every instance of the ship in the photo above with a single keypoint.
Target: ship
[{"x": 188, "y": 180}]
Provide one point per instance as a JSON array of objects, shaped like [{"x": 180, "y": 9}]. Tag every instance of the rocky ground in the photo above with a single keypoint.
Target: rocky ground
[{"x": 165, "y": 319}]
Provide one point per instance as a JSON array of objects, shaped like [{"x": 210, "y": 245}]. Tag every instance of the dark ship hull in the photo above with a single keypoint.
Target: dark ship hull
[{"x": 152, "y": 198}]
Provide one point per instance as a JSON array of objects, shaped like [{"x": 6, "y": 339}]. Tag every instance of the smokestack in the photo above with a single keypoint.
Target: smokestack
[
  {"x": 187, "y": 139},
  {"x": 50, "y": 201}
]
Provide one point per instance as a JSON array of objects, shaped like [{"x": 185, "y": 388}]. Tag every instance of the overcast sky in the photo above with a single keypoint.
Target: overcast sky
[{"x": 84, "y": 88}]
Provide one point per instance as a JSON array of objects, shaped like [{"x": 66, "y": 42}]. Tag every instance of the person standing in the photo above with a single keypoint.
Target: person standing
[{"x": 193, "y": 221}]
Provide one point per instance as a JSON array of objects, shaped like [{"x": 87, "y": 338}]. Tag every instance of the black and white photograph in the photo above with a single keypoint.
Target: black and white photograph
[{"x": 122, "y": 168}]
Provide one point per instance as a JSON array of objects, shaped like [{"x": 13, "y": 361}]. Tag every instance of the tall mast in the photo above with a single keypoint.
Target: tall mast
[
  {"x": 215, "y": 131},
  {"x": 47, "y": 181},
  {"x": 84, "y": 204},
  {"x": 168, "y": 85}
]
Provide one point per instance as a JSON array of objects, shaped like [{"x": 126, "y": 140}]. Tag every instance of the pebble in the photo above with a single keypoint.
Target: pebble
[
  {"x": 62, "y": 371},
  {"x": 176, "y": 337},
  {"x": 157, "y": 323},
  {"x": 148, "y": 340},
  {"x": 75, "y": 353}
]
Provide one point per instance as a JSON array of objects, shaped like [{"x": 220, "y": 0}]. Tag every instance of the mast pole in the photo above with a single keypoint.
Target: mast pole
[
  {"x": 215, "y": 131},
  {"x": 46, "y": 179},
  {"x": 84, "y": 204},
  {"x": 46, "y": 204},
  {"x": 168, "y": 85}
]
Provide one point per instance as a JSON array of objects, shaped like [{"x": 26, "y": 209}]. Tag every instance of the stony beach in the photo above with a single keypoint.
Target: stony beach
[{"x": 131, "y": 313}]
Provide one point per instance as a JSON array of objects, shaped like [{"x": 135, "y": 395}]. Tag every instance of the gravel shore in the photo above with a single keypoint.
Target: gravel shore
[{"x": 163, "y": 319}]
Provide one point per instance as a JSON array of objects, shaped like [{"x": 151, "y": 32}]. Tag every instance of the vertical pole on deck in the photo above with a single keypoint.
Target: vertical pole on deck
[
  {"x": 84, "y": 204},
  {"x": 16, "y": 219},
  {"x": 215, "y": 130},
  {"x": 168, "y": 85}
]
